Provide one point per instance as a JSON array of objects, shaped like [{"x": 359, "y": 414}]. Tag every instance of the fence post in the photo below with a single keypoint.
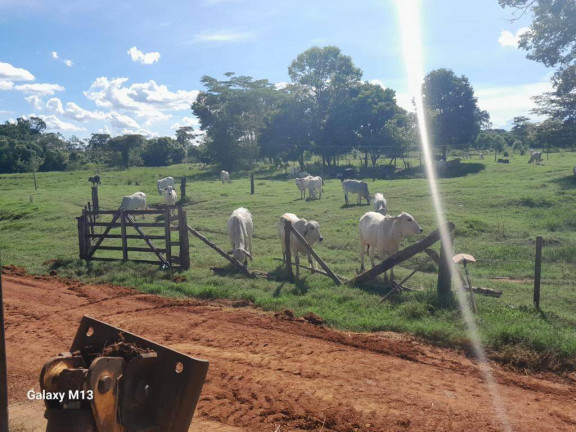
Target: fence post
[
  {"x": 167, "y": 232},
  {"x": 444, "y": 287},
  {"x": 287, "y": 231},
  {"x": 252, "y": 184},
  {"x": 183, "y": 187},
  {"x": 124, "y": 239},
  {"x": 184, "y": 242},
  {"x": 95, "y": 203},
  {"x": 82, "y": 234},
  {"x": 537, "y": 271}
]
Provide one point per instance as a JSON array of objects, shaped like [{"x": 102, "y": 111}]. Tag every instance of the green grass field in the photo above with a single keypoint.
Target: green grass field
[{"x": 498, "y": 211}]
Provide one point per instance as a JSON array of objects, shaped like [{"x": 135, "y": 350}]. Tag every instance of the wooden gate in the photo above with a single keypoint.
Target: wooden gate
[{"x": 159, "y": 239}]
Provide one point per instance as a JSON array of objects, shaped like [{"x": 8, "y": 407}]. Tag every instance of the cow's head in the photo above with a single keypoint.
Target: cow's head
[
  {"x": 312, "y": 232},
  {"x": 408, "y": 224}
]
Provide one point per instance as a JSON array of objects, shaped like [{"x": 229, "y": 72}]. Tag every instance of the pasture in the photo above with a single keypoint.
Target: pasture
[{"x": 498, "y": 211}]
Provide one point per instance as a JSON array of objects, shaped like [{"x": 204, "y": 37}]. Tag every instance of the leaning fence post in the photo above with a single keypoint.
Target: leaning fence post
[
  {"x": 537, "y": 271},
  {"x": 184, "y": 241},
  {"x": 444, "y": 275},
  {"x": 287, "y": 231}
]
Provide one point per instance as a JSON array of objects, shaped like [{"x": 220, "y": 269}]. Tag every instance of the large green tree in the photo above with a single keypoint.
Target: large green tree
[
  {"x": 454, "y": 116},
  {"x": 552, "y": 42}
]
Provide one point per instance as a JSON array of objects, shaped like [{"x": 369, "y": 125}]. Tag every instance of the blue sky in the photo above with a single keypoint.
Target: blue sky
[{"x": 135, "y": 66}]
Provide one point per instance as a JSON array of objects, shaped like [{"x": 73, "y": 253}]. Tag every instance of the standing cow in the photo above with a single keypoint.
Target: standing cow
[
  {"x": 136, "y": 201},
  {"x": 315, "y": 185},
  {"x": 535, "y": 157},
  {"x": 302, "y": 185},
  {"x": 164, "y": 183},
  {"x": 224, "y": 176},
  {"x": 358, "y": 187},
  {"x": 240, "y": 227},
  {"x": 384, "y": 233},
  {"x": 310, "y": 230}
]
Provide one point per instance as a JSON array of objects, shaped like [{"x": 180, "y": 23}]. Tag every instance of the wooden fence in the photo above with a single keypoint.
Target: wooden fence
[{"x": 90, "y": 242}]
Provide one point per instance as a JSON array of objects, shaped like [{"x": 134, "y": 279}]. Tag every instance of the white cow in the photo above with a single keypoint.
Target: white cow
[
  {"x": 380, "y": 204},
  {"x": 136, "y": 201},
  {"x": 240, "y": 229},
  {"x": 225, "y": 176},
  {"x": 170, "y": 196},
  {"x": 358, "y": 187},
  {"x": 384, "y": 233},
  {"x": 302, "y": 184},
  {"x": 164, "y": 183},
  {"x": 535, "y": 157},
  {"x": 310, "y": 230},
  {"x": 315, "y": 185}
]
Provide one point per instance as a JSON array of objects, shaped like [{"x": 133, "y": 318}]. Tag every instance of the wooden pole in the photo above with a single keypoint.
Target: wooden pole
[
  {"x": 472, "y": 298},
  {"x": 81, "y": 237},
  {"x": 184, "y": 240},
  {"x": 230, "y": 258},
  {"x": 537, "y": 271},
  {"x": 3, "y": 367},
  {"x": 287, "y": 230},
  {"x": 167, "y": 232},
  {"x": 183, "y": 187},
  {"x": 252, "y": 184},
  {"x": 124, "y": 239},
  {"x": 444, "y": 286},
  {"x": 400, "y": 257},
  {"x": 95, "y": 202},
  {"x": 316, "y": 257}
]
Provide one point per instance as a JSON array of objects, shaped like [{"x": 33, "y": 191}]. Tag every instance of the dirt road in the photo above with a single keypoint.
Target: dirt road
[{"x": 279, "y": 373}]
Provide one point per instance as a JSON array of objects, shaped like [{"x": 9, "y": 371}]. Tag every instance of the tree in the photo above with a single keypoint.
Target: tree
[
  {"x": 453, "y": 113},
  {"x": 163, "y": 151},
  {"x": 326, "y": 75},
  {"x": 126, "y": 146},
  {"x": 552, "y": 42}
]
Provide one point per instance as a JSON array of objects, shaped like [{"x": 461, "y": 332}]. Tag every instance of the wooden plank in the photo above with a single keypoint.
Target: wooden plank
[
  {"x": 145, "y": 212},
  {"x": 90, "y": 253},
  {"x": 315, "y": 255},
  {"x": 124, "y": 239},
  {"x": 131, "y": 249},
  {"x": 102, "y": 212},
  {"x": 400, "y": 256},
  {"x": 130, "y": 236},
  {"x": 104, "y": 224},
  {"x": 232, "y": 260},
  {"x": 287, "y": 230},
  {"x": 145, "y": 224},
  {"x": 148, "y": 242}
]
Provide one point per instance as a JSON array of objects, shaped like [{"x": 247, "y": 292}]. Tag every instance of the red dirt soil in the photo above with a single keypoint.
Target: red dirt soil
[{"x": 279, "y": 372}]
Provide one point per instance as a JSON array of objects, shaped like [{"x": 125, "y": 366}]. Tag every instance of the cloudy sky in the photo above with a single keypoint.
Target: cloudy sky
[{"x": 88, "y": 66}]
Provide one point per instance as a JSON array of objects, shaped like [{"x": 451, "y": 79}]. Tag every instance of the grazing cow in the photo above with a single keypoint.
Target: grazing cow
[
  {"x": 164, "y": 183},
  {"x": 240, "y": 229},
  {"x": 302, "y": 184},
  {"x": 380, "y": 204},
  {"x": 225, "y": 176},
  {"x": 384, "y": 233},
  {"x": 315, "y": 185},
  {"x": 535, "y": 157},
  {"x": 136, "y": 201},
  {"x": 310, "y": 230},
  {"x": 95, "y": 180},
  {"x": 358, "y": 187}
]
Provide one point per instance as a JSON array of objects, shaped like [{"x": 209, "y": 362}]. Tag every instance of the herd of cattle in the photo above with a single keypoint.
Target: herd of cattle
[{"x": 379, "y": 232}]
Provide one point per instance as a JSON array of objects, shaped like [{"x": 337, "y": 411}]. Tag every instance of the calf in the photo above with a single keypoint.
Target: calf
[
  {"x": 315, "y": 185},
  {"x": 240, "y": 229},
  {"x": 310, "y": 230},
  {"x": 302, "y": 184},
  {"x": 384, "y": 233},
  {"x": 358, "y": 187}
]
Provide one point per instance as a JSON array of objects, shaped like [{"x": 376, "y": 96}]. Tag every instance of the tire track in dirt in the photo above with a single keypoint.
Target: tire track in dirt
[{"x": 268, "y": 371}]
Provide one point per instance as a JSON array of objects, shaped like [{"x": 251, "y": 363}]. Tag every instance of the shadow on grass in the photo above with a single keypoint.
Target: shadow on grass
[{"x": 568, "y": 182}]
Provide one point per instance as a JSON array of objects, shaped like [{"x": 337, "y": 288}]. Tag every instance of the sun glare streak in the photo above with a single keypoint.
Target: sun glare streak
[{"x": 409, "y": 23}]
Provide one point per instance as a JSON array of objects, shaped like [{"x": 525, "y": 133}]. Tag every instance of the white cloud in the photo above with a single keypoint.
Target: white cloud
[
  {"x": 505, "y": 103},
  {"x": 121, "y": 121},
  {"x": 68, "y": 63},
  {"x": 11, "y": 73},
  {"x": 35, "y": 101},
  {"x": 39, "y": 89},
  {"x": 281, "y": 85},
  {"x": 225, "y": 36},
  {"x": 186, "y": 121},
  {"x": 53, "y": 122},
  {"x": 147, "y": 100},
  {"x": 507, "y": 39},
  {"x": 144, "y": 58},
  {"x": 54, "y": 55},
  {"x": 6, "y": 85}
]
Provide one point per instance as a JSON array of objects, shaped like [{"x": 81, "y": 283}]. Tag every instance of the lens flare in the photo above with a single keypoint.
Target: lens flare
[{"x": 409, "y": 22}]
